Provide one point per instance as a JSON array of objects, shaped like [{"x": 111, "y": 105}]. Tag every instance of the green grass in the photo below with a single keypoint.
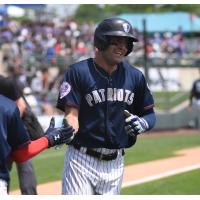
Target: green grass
[
  {"x": 152, "y": 147},
  {"x": 182, "y": 184},
  {"x": 49, "y": 164},
  {"x": 168, "y": 100}
]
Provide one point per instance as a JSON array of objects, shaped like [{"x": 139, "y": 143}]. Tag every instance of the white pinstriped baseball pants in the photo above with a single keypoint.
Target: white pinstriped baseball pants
[
  {"x": 3, "y": 187},
  {"x": 86, "y": 175}
]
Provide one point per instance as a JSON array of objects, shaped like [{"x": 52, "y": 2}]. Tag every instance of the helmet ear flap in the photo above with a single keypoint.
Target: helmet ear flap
[{"x": 130, "y": 48}]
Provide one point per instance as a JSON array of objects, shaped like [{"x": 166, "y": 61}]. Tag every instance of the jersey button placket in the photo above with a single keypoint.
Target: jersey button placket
[
  {"x": 110, "y": 82},
  {"x": 109, "y": 123}
]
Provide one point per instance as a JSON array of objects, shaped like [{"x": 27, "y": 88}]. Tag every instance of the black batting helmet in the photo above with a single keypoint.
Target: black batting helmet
[{"x": 113, "y": 27}]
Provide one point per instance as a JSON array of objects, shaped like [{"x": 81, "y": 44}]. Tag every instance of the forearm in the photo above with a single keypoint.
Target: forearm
[
  {"x": 150, "y": 119},
  {"x": 30, "y": 150},
  {"x": 71, "y": 115},
  {"x": 21, "y": 105}
]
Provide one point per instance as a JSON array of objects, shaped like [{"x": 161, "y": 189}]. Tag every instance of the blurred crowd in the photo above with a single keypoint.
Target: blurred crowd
[
  {"x": 36, "y": 53},
  {"x": 48, "y": 41},
  {"x": 165, "y": 44},
  {"x": 61, "y": 41},
  {"x": 168, "y": 48}
]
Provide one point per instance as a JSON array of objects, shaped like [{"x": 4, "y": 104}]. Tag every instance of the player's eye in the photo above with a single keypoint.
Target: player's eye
[
  {"x": 114, "y": 43},
  {"x": 118, "y": 41}
]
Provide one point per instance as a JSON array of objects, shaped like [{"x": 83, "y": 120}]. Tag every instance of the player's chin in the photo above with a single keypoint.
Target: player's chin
[{"x": 118, "y": 60}]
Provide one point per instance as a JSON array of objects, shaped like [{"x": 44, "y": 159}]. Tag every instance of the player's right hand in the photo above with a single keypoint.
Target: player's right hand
[{"x": 62, "y": 135}]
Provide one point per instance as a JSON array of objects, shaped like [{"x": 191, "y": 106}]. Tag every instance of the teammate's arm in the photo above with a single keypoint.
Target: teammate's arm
[
  {"x": 30, "y": 150},
  {"x": 71, "y": 115},
  {"x": 52, "y": 137}
]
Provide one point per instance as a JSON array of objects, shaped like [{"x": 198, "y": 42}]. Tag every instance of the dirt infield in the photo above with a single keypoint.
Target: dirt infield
[{"x": 184, "y": 160}]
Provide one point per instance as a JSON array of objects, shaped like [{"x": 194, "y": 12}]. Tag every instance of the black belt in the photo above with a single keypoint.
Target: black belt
[{"x": 99, "y": 155}]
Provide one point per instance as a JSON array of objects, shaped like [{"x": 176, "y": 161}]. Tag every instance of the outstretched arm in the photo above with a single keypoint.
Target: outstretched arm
[
  {"x": 30, "y": 150},
  {"x": 52, "y": 137}
]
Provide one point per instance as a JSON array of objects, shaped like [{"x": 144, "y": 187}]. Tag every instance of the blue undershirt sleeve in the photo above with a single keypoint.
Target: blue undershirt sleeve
[{"x": 150, "y": 119}]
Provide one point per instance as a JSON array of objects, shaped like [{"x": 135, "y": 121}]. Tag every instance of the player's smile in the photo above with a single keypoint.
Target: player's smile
[
  {"x": 118, "y": 46},
  {"x": 119, "y": 53}
]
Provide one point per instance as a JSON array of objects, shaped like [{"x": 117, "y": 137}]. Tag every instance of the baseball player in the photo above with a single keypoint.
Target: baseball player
[
  {"x": 15, "y": 142},
  {"x": 25, "y": 170},
  {"x": 108, "y": 103},
  {"x": 194, "y": 100}
]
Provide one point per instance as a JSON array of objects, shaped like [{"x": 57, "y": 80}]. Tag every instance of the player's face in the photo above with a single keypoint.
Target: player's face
[{"x": 117, "y": 49}]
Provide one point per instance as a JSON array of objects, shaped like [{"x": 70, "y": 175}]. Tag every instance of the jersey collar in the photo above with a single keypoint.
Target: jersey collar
[{"x": 102, "y": 71}]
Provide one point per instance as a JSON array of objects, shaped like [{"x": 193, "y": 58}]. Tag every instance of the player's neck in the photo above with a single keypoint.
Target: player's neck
[{"x": 104, "y": 65}]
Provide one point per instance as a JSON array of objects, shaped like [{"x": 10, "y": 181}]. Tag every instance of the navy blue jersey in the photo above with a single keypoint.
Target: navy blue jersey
[
  {"x": 12, "y": 133},
  {"x": 102, "y": 99}
]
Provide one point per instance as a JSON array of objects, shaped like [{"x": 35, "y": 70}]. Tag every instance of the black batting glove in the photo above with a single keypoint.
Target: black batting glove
[
  {"x": 58, "y": 136},
  {"x": 69, "y": 136},
  {"x": 51, "y": 126}
]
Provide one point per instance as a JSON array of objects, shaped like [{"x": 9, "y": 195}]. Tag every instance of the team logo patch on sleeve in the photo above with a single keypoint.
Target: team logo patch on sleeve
[{"x": 65, "y": 88}]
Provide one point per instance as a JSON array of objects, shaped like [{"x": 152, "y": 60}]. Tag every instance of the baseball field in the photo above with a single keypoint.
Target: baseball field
[{"x": 160, "y": 163}]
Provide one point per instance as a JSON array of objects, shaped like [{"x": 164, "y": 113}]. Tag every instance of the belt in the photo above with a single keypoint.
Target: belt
[{"x": 99, "y": 155}]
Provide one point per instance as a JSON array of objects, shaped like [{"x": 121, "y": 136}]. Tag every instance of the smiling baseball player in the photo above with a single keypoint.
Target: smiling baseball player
[{"x": 108, "y": 103}]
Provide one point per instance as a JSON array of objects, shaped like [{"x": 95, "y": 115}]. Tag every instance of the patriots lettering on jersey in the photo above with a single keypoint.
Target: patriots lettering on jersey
[{"x": 111, "y": 94}]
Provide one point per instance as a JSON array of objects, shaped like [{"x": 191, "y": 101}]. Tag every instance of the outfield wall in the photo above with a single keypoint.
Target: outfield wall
[{"x": 168, "y": 120}]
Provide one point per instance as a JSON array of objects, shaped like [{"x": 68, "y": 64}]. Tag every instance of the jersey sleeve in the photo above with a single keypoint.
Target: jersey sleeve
[
  {"x": 69, "y": 93},
  {"x": 17, "y": 135},
  {"x": 145, "y": 101}
]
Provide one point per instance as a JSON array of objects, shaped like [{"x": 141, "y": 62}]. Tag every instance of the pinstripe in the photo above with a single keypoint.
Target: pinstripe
[
  {"x": 74, "y": 182},
  {"x": 94, "y": 168},
  {"x": 108, "y": 177},
  {"x": 84, "y": 174},
  {"x": 3, "y": 187},
  {"x": 80, "y": 180}
]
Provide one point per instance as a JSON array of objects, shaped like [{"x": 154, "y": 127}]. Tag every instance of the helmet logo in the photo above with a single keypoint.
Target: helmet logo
[{"x": 126, "y": 27}]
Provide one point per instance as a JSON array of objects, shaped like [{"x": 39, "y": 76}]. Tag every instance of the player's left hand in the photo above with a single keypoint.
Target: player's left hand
[
  {"x": 134, "y": 125},
  {"x": 57, "y": 136}
]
